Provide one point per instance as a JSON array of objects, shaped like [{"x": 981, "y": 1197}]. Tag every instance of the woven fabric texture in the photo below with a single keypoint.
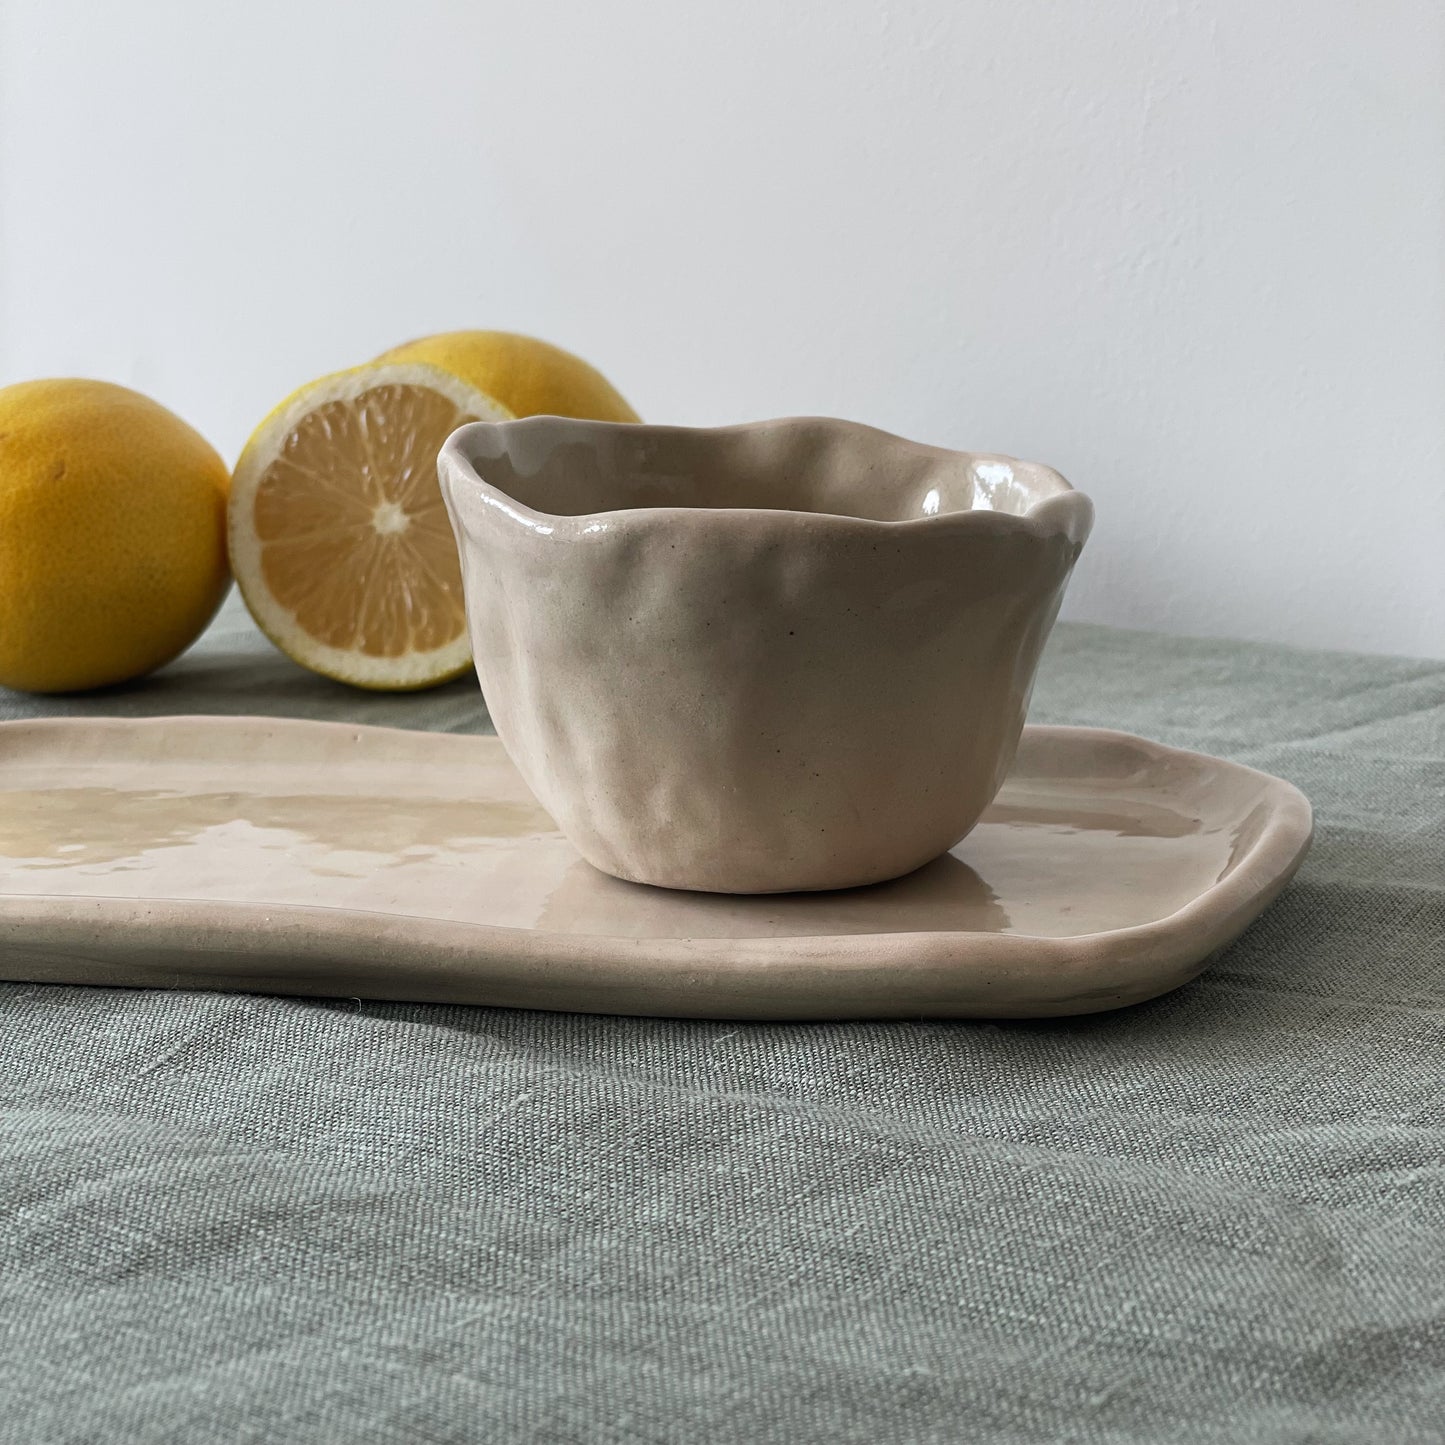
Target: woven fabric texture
[{"x": 1218, "y": 1217}]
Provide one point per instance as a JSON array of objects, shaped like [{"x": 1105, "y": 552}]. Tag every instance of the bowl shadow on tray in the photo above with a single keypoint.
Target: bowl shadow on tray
[{"x": 943, "y": 895}]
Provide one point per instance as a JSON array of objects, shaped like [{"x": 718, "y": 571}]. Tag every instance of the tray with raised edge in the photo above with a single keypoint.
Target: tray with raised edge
[{"x": 324, "y": 859}]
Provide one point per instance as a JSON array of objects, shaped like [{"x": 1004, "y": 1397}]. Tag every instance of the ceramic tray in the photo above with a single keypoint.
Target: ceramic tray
[{"x": 325, "y": 859}]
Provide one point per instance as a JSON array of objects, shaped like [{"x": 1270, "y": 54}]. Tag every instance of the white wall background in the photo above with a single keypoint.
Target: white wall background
[{"x": 1191, "y": 253}]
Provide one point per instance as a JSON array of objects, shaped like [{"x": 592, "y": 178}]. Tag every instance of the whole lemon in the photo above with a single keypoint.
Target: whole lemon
[
  {"x": 112, "y": 535},
  {"x": 529, "y": 377}
]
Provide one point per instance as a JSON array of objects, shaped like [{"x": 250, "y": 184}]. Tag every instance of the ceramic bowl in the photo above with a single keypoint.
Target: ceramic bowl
[{"x": 790, "y": 655}]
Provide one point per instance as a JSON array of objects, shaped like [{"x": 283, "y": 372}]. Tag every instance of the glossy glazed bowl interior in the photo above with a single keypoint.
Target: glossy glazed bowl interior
[
  {"x": 557, "y": 467},
  {"x": 790, "y": 655}
]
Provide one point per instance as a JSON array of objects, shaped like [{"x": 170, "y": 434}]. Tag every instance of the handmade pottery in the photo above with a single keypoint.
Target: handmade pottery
[
  {"x": 321, "y": 858},
  {"x": 792, "y": 655}
]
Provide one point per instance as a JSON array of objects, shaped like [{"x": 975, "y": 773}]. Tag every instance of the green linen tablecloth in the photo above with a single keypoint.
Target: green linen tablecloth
[{"x": 1216, "y": 1217}]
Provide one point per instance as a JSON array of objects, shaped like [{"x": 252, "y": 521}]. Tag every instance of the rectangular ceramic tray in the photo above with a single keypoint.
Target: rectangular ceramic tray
[{"x": 314, "y": 858}]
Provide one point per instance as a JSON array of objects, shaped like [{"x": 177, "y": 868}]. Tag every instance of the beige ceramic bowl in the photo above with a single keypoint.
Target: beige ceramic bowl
[{"x": 791, "y": 655}]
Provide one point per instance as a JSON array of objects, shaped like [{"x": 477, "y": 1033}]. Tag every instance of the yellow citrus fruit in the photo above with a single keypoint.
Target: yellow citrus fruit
[
  {"x": 530, "y": 377},
  {"x": 112, "y": 535},
  {"x": 339, "y": 536}
]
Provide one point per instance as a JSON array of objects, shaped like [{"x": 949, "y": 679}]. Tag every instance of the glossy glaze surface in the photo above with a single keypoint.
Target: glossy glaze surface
[
  {"x": 315, "y": 857},
  {"x": 793, "y": 655}
]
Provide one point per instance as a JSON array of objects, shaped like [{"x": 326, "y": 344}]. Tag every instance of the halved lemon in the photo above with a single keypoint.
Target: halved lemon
[{"x": 339, "y": 537}]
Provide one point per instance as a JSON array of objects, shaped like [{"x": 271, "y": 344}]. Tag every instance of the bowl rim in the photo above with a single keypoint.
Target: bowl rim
[{"x": 1056, "y": 506}]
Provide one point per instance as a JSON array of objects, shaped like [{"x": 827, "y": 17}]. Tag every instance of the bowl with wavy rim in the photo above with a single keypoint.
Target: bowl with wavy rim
[{"x": 790, "y": 655}]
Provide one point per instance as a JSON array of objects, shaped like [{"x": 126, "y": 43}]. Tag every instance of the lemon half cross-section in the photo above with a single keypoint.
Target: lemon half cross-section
[{"x": 339, "y": 537}]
